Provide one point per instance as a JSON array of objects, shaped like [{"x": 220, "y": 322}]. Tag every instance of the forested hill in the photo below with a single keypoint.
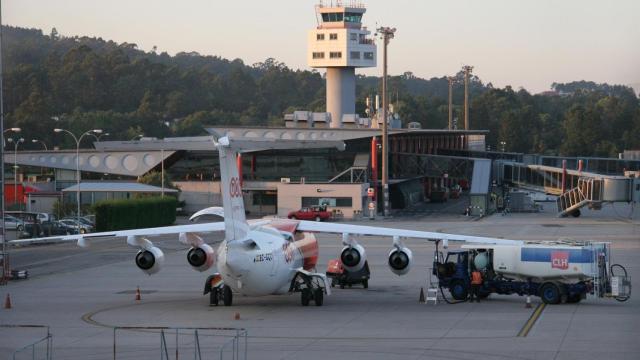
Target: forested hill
[{"x": 81, "y": 83}]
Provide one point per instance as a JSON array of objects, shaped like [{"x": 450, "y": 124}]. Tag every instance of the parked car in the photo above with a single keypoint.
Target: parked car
[
  {"x": 83, "y": 221},
  {"x": 45, "y": 217},
  {"x": 13, "y": 223},
  {"x": 73, "y": 223},
  {"x": 50, "y": 228},
  {"x": 91, "y": 219},
  {"x": 317, "y": 213}
]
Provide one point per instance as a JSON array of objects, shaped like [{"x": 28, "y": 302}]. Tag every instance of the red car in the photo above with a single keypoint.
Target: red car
[{"x": 317, "y": 213}]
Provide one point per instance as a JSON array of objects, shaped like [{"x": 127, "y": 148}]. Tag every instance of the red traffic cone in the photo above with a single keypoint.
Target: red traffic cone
[
  {"x": 138, "y": 297},
  {"x": 7, "y": 302}
]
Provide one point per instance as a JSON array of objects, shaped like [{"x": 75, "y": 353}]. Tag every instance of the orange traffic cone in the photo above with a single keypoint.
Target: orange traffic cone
[
  {"x": 528, "y": 305},
  {"x": 422, "y": 300},
  {"x": 138, "y": 297},
  {"x": 7, "y": 302},
  {"x": 237, "y": 316}
]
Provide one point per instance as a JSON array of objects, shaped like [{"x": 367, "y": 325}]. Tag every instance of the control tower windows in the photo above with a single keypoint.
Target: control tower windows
[
  {"x": 333, "y": 36},
  {"x": 368, "y": 56},
  {"x": 354, "y": 37},
  {"x": 355, "y": 55},
  {"x": 319, "y": 37},
  {"x": 340, "y": 17},
  {"x": 318, "y": 55},
  {"x": 335, "y": 55}
]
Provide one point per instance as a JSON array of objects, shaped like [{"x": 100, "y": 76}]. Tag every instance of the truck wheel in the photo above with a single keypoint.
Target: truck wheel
[
  {"x": 458, "y": 290},
  {"x": 227, "y": 296},
  {"x": 318, "y": 297},
  {"x": 550, "y": 293},
  {"x": 305, "y": 297}
]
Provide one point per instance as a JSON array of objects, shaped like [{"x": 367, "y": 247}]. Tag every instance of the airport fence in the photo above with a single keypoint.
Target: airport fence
[
  {"x": 37, "y": 350},
  {"x": 142, "y": 342}
]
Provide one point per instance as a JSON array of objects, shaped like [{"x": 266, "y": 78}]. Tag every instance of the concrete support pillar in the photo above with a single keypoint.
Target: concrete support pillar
[{"x": 341, "y": 94}]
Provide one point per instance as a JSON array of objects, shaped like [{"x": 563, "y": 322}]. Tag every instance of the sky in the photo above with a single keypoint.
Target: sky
[{"x": 522, "y": 43}]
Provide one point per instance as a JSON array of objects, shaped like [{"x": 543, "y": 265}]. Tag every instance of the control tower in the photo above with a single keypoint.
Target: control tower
[{"x": 341, "y": 44}]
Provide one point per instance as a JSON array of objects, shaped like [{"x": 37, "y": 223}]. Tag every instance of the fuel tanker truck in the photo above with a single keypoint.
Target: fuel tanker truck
[{"x": 557, "y": 272}]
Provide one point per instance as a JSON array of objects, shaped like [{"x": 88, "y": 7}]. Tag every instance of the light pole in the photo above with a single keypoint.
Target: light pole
[
  {"x": 35, "y": 141},
  {"x": 136, "y": 137},
  {"x": 386, "y": 34},
  {"x": 15, "y": 142},
  {"x": 78, "y": 140},
  {"x": 100, "y": 136}
]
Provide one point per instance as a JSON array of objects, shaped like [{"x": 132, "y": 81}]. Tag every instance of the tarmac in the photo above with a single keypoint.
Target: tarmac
[{"x": 82, "y": 294}]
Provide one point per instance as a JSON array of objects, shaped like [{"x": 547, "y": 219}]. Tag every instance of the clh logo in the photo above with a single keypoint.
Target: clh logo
[
  {"x": 234, "y": 188},
  {"x": 560, "y": 260}
]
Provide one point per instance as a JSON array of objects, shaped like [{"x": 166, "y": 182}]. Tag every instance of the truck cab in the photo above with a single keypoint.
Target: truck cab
[{"x": 453, "y": 273}]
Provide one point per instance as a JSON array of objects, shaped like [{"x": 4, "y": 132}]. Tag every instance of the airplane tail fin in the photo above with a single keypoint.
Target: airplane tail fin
[{"x": 235, "y": 221}]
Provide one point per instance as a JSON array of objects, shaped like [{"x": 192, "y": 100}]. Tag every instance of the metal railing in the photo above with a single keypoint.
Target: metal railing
[
  {"x": 227, "y": 343},
  {"x": 33, "y": 350}
]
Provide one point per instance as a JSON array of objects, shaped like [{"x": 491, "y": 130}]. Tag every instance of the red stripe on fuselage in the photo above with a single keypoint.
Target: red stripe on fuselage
[{"x": 303, "y": 241}]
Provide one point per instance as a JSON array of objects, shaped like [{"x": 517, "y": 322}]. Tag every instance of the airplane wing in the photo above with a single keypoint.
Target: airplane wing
[
  {"x": 148, "y": 232},
  {"x": 336, "y": 228}
]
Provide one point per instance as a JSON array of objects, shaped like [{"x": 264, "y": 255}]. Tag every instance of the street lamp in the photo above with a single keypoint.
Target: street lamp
[
  {"x": 136, "y": 137},
  {"x": 99, "y": 136},
  {"x": 14, "y": 129},
  {"x": 35, "y": 141},
  {"x": 503, "y": 146},
  {"x": 15, "y": 142},
  {"x": 78, "y": 140}
]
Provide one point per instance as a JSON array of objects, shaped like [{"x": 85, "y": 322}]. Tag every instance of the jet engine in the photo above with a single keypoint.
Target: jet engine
[
  {"x": 150, "y": 260},
  {"x": 353, "y": 257},
  {"x": 202, "y": 257},
  {"x": 400, "y": 260}
]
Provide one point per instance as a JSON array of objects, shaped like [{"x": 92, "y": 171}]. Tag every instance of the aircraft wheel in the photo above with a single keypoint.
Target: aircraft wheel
[
  {"x": 318, "y": 296},
  {"x": 227, "y": 296},
  {"x": 305, "y": 297},
  {"x": 214, "y": 294}
]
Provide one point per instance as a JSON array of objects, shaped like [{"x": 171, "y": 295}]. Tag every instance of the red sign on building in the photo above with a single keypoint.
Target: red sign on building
[{"x": 560, "y": 260}]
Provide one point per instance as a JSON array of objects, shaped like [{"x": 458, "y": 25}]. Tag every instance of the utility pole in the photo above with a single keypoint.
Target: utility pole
[
  {"x": 5, "y": 257},
  {"x": 451, "y": 79},
  {"x": 467, "y": 72},
  {"x": 386, "y": 34}
]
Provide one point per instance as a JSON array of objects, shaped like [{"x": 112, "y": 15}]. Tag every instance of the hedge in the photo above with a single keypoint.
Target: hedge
[{"x": 135, "y": 213}]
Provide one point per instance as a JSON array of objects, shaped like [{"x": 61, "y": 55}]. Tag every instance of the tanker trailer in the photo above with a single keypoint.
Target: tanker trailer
[{"x": 557, "y": 272}]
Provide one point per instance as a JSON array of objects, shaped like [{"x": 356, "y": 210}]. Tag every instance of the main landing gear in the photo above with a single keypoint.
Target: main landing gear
[
  {"x": 218, "y": 292},
  {"x": 310, "y": 286}
]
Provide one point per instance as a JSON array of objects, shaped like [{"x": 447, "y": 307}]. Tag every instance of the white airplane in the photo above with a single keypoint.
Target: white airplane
[{"x": 264, "y": 257}]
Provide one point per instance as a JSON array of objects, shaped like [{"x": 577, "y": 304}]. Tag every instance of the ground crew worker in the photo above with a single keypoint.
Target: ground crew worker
[{"x": 476, "y": 282}]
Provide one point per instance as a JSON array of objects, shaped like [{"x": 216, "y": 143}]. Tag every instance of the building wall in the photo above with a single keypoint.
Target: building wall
[
  {"x": 290, "y": 196},
  {"x": 199, "y": 195}
]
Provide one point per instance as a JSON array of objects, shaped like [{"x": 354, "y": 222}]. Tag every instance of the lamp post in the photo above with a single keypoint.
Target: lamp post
[
  {"x": 78, "y": 140},
  {"x": 136, "y": 137},
  {"x": 35, "y": 141},
  {"x": 386, "y": 34},
  {"x": 16, "y": 143},
  {"x": 99, "y": 136}
]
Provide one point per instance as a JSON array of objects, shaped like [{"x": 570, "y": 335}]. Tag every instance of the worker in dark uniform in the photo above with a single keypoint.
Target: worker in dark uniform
[{"x": 476, "y": 283}]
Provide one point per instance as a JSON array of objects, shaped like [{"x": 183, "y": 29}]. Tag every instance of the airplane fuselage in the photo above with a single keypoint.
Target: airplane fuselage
[{"x": 266, "y": 261}]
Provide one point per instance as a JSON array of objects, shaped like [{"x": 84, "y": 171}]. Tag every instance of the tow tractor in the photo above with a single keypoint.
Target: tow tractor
[
  {"x": 343, "y": 277},
  {"x": 557, "y": 272}
]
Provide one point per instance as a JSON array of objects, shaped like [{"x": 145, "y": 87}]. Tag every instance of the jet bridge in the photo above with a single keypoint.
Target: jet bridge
[{"x": 575, "y": 189}]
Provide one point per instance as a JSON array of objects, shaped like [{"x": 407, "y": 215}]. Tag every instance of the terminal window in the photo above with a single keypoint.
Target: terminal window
[
  {"x": 331, "y": 202},
  {"x": 355, "y": 55},
  {"x": 335, "y": 55},
  {"x": 318, "y": 55},
  {"x": 319, "y": 36},
  {"x": 333, "y": 36},
  {"x": 368, "y": 55}
]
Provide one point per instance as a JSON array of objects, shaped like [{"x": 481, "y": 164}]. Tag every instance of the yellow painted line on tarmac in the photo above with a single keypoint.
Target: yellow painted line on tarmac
[{"x": 532, "y": 320}]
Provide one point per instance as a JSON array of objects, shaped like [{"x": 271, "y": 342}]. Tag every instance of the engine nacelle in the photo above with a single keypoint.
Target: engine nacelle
[
  {"x": 353, "y": 257},
  {"x": 201, "y": 258},
  {"x": 150, "y": 260},
  {"x": 400, "y": 260}
]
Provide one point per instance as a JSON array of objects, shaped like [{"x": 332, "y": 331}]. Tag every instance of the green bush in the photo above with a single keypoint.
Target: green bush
[{"x": 135, "y": 213}]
